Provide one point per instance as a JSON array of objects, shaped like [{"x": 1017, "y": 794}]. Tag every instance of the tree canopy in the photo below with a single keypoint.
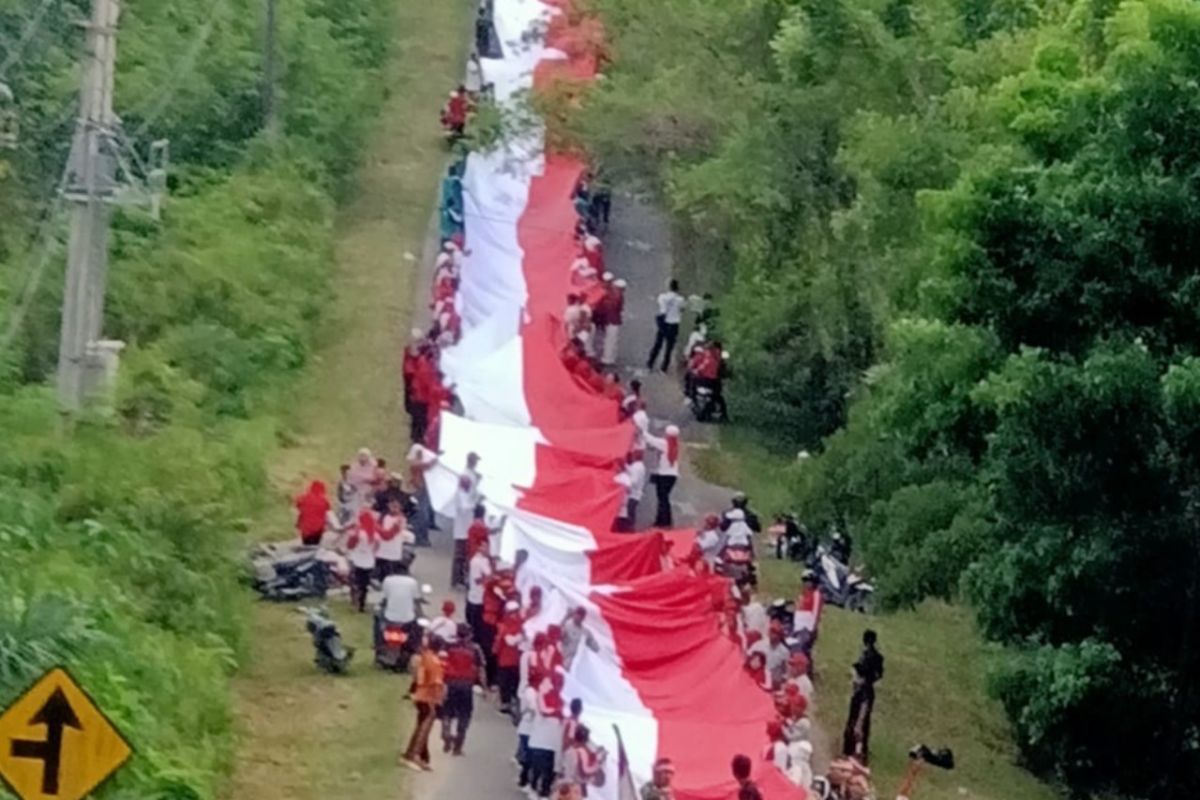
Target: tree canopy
[{"x": 956, "y": 241}]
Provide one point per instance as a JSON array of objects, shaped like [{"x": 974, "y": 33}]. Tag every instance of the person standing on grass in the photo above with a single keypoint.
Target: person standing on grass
[
  {"x": 806, "y": 619},
  {"x": 361, "y": 546},
  {"x": 670, "y": 313},
  {"x": 463, "y": 672},
  {"x": 868, "y": 671},
  {"x": 347, "y": 497},
  {"x": 362, "y": 476},
  {"x": 312, "y": 507},
  {"x": 428, "y": 693},
  {"x": 666, "y": 472}
]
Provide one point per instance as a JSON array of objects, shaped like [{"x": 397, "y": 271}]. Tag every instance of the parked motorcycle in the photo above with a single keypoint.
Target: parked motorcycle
[
  {"x": 331, "y": 654},
  {"x": 703, "y": 403},
  {"x": 840, "y": 585}
]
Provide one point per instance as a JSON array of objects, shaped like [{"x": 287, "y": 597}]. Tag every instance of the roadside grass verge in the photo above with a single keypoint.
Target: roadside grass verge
[
  {"x": 934, "y": 691},
  {"x": 304, "y": 735}
]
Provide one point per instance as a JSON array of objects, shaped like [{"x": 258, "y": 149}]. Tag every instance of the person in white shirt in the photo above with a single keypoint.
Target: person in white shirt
[
  {"x": 420, "y": 460},
  {"x": 360, "y": 550},
  {"x": 708, "y": 539},
  {"x": 754, "y": 615},
  {"x": 444, "y": 627},
  {"x": 400, "y": 593},
  {"x": 478, "y": 570},
  {"x": 633, "y": 478},
  {"x": 574, "y": 634},
  {"x": 670, "y": 313},
  {"x": 465, "y": 500},
  {"x": 666, "y": 472},
  {"x": 394, "y": 537}
]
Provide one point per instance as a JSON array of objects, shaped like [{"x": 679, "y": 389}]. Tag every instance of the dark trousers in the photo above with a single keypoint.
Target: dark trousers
[
  {"x": 422, "y": 518},
  {"x": 856, "y": 743},
  {"x": 485, "y": 635},
  {"x": 456, "y": 714},
  {"x": 663, "y": 484},
  {"x": 664, "y": 342},
  {"x": 458, "y": 567},
  {"x": 538, "y": 770},
  {"x": 418, "y": 745},
  {"x": 418, "y": 421},
  {"x": 385, "y": 567},
  {"x": 360, "y": 581},
  {"x": 507, "y": 679}
]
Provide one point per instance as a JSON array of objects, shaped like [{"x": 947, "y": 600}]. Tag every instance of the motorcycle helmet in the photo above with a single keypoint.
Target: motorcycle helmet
[
  {"x": 740, "y": 500},
  {"x": 810, "y": 576}
]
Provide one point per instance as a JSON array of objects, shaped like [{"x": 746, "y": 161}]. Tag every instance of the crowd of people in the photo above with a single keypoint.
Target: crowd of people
[{"x": 378, "y": 518}]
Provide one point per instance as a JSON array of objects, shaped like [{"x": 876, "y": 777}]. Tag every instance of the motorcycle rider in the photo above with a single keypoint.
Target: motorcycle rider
[
  {"x": 401, "y": 595},
  {"x": 741, "y": 503}
]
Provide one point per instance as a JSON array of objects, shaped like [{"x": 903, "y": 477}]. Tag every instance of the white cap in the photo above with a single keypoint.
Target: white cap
[
  {"x": 418, "y": 334},
  {"x": 672, "y": 430},
  {"x": 608, "y": 276},
  {"x": 620, "y": 283},
  {"x": 511, "y": 605}
]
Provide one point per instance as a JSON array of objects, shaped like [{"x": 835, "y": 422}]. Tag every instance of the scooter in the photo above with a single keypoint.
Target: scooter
[
  {"x": 703, "y": 402},
  {"x": 840, "y": 585},
  {"x": 396, "y": 643},
  {"x": 331, "y": 654},
  {"x": 737, "y": 564}
]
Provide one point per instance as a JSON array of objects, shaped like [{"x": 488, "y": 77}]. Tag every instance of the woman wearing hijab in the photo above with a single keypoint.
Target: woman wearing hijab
[
  {"x": 360, "y": 547},
  {"x": 666, "y": 472},
  {"x": 312, "y": 507},
  {"x": 362, "y": 475}
]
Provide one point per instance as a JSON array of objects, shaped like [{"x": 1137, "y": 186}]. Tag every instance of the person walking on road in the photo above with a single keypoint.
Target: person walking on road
[
  {"x": 666, "y": 473},
  {"x": 430, "y": 689},
  {"x": 670, "y": 313},
  {"x": 463, "y": 672},
  {"x": 466, "y": 505}
]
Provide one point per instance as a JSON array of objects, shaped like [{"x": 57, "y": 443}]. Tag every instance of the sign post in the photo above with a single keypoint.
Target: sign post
[{"x": 56, "y": 744}]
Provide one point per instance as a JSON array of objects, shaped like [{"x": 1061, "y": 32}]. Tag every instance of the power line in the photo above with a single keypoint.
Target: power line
[
  {"x": 45, "y": 250},
  {"x": 31, "y": 29},
  {"x": 158, "y": 103}
]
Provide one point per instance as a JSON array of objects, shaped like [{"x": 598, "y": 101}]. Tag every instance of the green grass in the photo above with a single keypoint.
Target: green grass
[
  {"x": 304, "y": 735},
  {"x": 934, "y": 691}
]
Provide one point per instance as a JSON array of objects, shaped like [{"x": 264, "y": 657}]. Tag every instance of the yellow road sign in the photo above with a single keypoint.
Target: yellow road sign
[{"x": 55, "y": 744}]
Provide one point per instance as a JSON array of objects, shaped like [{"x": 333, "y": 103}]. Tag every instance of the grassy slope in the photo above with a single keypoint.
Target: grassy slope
[
  {"x": 305, "y": 736},
  {"x": 934, "y": 688}
]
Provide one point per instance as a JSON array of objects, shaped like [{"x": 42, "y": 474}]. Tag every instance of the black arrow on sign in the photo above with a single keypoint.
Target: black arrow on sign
[{"x": 55, "y": 714}]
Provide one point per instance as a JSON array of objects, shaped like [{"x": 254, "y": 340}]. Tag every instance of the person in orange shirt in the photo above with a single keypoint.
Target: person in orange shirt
[{"x": 429, "y": 691}]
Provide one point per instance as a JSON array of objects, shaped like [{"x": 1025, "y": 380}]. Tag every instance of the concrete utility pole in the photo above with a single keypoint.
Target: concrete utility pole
[
  {"x": 270, "y": 71},
  {"x": 90, "y": 189}
]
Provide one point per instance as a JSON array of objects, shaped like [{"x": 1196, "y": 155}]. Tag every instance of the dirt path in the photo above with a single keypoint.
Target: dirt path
[{"x": 302, "y": 735}]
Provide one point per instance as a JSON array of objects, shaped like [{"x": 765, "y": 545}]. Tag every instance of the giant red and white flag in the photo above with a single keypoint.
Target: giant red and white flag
[{"x": 662, "y": 681}]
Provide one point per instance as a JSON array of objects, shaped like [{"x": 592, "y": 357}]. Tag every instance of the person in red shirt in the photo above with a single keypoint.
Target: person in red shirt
[
  {"x": 412, "y": 354},
  {"x": 507, "y": 648},
  {"x": 456, "y": 112},
  {"x": 312, "y": 509}
]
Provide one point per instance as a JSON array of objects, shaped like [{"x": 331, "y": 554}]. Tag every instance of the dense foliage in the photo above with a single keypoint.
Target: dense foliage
[
  {"x": 121, "y": 533},
  {"x": 958, "y": 242}
]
